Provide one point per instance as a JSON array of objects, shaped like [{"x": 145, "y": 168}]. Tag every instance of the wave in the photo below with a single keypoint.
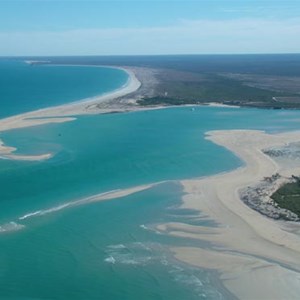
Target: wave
[
  {"x": 141, "y": 246},
  {"x": 65, "y": 205},
  {"x": 113, "y": 194},
  {"x": 152, "y": 229},
  {"x": 110, "y": 260},
  {"x": 4, "y": 157},
  {"x": 30, "y": 215},
  {"x": 11, "y": 226},
  {"x": 144, "y": 227},
  {"x": 118, "y": 246},
  {"x": 127, "y": 260},
  {"x": 136, "y": 253},
  {"x": 140, "y": 254},
  {"x": 196, "y": 280}
]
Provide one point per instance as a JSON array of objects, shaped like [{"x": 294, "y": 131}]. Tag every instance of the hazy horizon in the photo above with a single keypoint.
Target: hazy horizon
[
  {"x": 148, "y": 55},
  {"x": 75, "y": 28}
]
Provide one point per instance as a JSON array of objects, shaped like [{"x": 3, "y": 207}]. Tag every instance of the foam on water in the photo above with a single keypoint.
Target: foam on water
[
  {"x": 119, "y": 246},
  {"x": 46, "y": 211},
  {"x": 144, "y": 227},
  {"x": 30, "y": 215},
  {"x": 189, "y": 278},
  {"x": 136, "y": 253},
  {"x": 11, "y": 226},
  {"x": 110, "y": 260},
  {"x": 145, "y": 253},
  {"x": 4, "y": 157},
  {"x": 60, "y": 207},
  {"x": 148, "y": 228}
]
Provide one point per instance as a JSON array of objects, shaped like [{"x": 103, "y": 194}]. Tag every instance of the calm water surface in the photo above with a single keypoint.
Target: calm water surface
[
  {"x": 110, "y": 250},
  {"x": 25, "y": 88}
]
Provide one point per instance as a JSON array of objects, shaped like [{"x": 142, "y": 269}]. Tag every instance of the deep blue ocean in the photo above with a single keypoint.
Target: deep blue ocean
[{"x": 106, "y": 250}]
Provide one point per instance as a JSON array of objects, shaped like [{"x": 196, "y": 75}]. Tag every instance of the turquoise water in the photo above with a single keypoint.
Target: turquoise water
[
  {"x": 109, "y": 152},
  {"x": 25, "y": 88},
  {"x": 68, "y": 255},
  {"x": 110, "y": 250},
  {"x": 106, "y": 152}
]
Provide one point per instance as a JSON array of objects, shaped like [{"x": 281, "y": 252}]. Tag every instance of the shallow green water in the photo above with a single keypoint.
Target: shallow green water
[
  {"x": 110, "y": 250},
  {"x": 101, "y": 153},
  {"x": 101, "y": 251},
  {"x": 51, "y": 249}
]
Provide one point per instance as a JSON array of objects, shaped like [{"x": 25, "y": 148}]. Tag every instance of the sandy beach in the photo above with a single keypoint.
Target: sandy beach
[
  {"x": 65, "y": 113},
  {"x": 256, "y": 257},
  {"x": 216, "y": 104}
]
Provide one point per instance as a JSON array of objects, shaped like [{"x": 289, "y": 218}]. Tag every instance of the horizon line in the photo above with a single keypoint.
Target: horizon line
[{"x": 132, "y": 55}]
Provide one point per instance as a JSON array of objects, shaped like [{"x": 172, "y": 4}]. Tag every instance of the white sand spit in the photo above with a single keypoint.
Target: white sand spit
[
  {"x": 63, "y": 113},
  {"x": 257, "y": 257}
]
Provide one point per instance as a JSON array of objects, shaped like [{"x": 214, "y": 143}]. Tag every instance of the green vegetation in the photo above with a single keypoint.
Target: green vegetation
[
  {"x": 264, "y": 81},
  {"x": 288, "y": 197},
  {"x": 214, "y": 88},
  {"x": 165, "y": 101}
]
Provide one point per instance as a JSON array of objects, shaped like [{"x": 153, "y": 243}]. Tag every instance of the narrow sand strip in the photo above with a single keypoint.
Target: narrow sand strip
[
  {"x": 115, "y": 194},
  {"x": 216, "y": 104},
  {"x": 6, "y": 153},
  {"x": 257, "y": 257},
  {"x": 62, "y": 113}
]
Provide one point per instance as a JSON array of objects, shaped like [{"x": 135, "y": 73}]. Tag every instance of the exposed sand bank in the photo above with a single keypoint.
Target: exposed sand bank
[
  {"x": 114, "y": 194},
  {"x": 257, "y": 257},
  {"x": 216, "y": 104},
  {"x": 64, "y": 113},
  {"x": 6, "y": 152},
  {"x": 14, "y": 225}
]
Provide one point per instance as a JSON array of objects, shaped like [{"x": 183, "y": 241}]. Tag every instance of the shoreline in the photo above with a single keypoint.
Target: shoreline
[
  {"x": 256, "y": 257},
  {"x": 216, "y": 104},
  {"x": 63, "y": 113},
  {"x": 116, "y": 101}
]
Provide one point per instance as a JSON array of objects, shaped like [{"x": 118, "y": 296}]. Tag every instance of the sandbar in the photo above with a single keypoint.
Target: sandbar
[{"x": 256, "y": 257}]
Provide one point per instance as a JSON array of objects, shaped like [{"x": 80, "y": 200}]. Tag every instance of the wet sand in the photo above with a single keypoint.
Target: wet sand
[{"x": 256, "y": 257}]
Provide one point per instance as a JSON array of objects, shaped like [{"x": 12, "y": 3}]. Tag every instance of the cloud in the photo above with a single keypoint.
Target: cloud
[{"x": 186, "y": 37}]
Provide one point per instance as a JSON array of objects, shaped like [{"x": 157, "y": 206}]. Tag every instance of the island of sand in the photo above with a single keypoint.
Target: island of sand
[{"x": 256, "y": 257}]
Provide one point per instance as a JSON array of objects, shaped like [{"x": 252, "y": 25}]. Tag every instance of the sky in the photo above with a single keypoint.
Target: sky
[{"x": 143, "y": 27}]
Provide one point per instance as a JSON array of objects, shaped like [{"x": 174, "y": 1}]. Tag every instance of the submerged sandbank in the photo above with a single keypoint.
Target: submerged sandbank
[
  {"x": 114, "y": 194},
  {"x": 64, "y": 113},
  {"x": 14, "y": 225},
  {"x": 257, "y": 257}
]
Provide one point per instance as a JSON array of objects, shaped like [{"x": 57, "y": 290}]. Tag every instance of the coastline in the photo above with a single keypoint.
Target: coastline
[
  {"x": 64, "y": 113},
  {"x": 246, "y": 247},
  {"x": 124, "y": 99},
  {"x": 216, "y": 104}
]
